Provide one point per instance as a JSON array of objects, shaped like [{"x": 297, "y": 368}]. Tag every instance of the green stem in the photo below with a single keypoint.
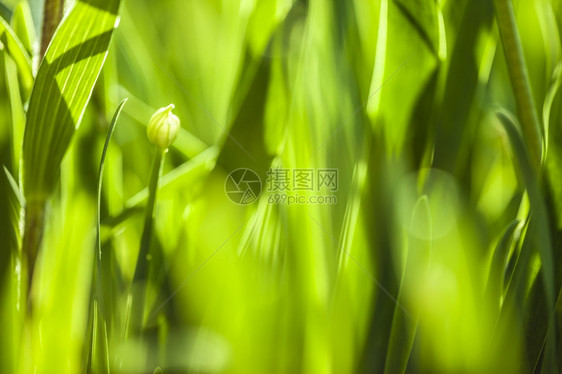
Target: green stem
[
  {"x": 519, "y": 77},
  {"x": 52, "y": 15},
  {"x": 32, "y": 236},
  {"x": 141, "y": 271}
]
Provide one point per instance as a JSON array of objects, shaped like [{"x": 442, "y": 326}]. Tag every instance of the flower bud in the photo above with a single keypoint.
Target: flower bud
[{"x": 163, "y": 127}]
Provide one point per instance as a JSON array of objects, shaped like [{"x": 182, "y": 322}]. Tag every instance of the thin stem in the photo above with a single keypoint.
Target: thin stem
[
  {"x": 52, "y": 15},
  {"x": 519, "y": 77},
  {"x": 141, "y": 271},
  {"x": 32, "y": 236}
]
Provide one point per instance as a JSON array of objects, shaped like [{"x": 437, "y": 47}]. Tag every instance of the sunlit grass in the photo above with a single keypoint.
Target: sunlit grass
[{"x": 442, "y": 253}]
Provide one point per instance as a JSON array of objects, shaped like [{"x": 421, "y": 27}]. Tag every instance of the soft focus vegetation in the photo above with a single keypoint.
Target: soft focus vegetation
[{"x": 443, "y": 253}]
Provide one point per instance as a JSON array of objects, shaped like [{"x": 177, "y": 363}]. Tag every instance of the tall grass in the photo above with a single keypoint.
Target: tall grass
[{"x": 441, "y": 255}]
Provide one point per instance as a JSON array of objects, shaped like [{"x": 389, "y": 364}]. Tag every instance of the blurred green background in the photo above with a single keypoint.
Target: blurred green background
[{"x": 407, "y": 272}]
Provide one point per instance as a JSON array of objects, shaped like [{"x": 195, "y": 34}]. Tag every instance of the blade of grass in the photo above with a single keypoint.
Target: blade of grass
[
  {"x": 63, "y": 88},
  {"x": 509, "y": 322},
  {"x": 13, "y": 284},
  {"x": 11, "y": 311},
  {"x": 98, "y": 355},
  {"x": 100, "y": 174},
  {"x": 548, "y": 101},
  {"x": 537, "y": 203},
  {"x": 141, "y": 269},
  {"x": 18, "y": 113},
  {"x": 100, "y": 272},
  {"x": 15, "y": 48},
  {"x": 424, "y": 17},
  {"x": 16, "y": 202},
  {"x": 539, "y": 229},
  {"x": 494, "y": 288},
  {"x": 404, "y": 327},
  {"x": 22, "y": 23},
  {"x": 461, "y": 88},
  {"x": 519, "y": 77}
]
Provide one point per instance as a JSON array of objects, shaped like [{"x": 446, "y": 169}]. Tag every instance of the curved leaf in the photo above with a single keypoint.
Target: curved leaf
[
  {"x": 22, "y": 23},
  {"x": 549, "y": 100},
  {"x": 15, "y": 203},
  {"x": 63, "y": 87},
  {"x": 499, "y": 260},
  {"x": 423, "y": 16},
  {"x": 102, "y": 165},
  {"x": 404, "y": 327},
  {"x": 538, "y": 228},
  {"x": 18, "y": 112},
  {"x": 98, "y": 356},
  {"x": 15, "y": 48}
]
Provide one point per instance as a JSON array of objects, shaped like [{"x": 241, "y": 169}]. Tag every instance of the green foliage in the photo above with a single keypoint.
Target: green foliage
[
  {"x": 62, "y": 89},
  {"x": 440, "y": 252},
  {"x": 16, "y": 49}
]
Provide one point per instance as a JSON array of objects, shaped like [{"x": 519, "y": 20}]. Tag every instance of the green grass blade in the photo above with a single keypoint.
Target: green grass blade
[
  {"x": 539, "y": 229},
  {"x": 538, "y": 207},
  {"x": 519, "y": 77},
  {"x": 400, "y": 26},
  {"x": 100, "y": 175},
  {"x": 549, "y": 100},
  {"x": 63, "y": 87},
  {"x": 499, "y": 260},
  {"x": 18, "y": 112},
  {"x": 141, "y": 270},
  {"x": 98, "y": 354},
  {"x": 15, "y": 48},
  {"x": 22, "y": 23},
  {"x": 404, "y": 326},
  {"x": 461, "y": 87},
  {"x": 16, "y": 202},
  {"x": 553, "y": 136},
  {"x": 423, "y": 16},
  {"x": 12, "y": 312},
  {"x": 98, "y": 357}
]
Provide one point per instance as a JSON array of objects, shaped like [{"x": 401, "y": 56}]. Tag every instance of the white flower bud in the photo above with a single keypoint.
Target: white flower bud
[{"x": 163, "y": 127}]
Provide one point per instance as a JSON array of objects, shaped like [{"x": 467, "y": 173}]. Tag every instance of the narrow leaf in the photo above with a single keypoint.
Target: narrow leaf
[
  {"x": 22, "y": 23},
  {"x": 63, "y": 87},
  {"x": 499, "y": 260},
  {"x": 423, "y": 16},
  {"x": 98, "y": 355},
  {"x": 100, "y": 175},
  {"x": 461, "y": 86},
  {"x": 15, "y": 48},
  {"x": 16, "y": 202},
  {"x": 404, "y": 326},
  {"x": 18, "y": 112},
  {"x": 539, "y": 229},
  {"x": 538, "y": 207},
  {"x": 549, "y": 100}
]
